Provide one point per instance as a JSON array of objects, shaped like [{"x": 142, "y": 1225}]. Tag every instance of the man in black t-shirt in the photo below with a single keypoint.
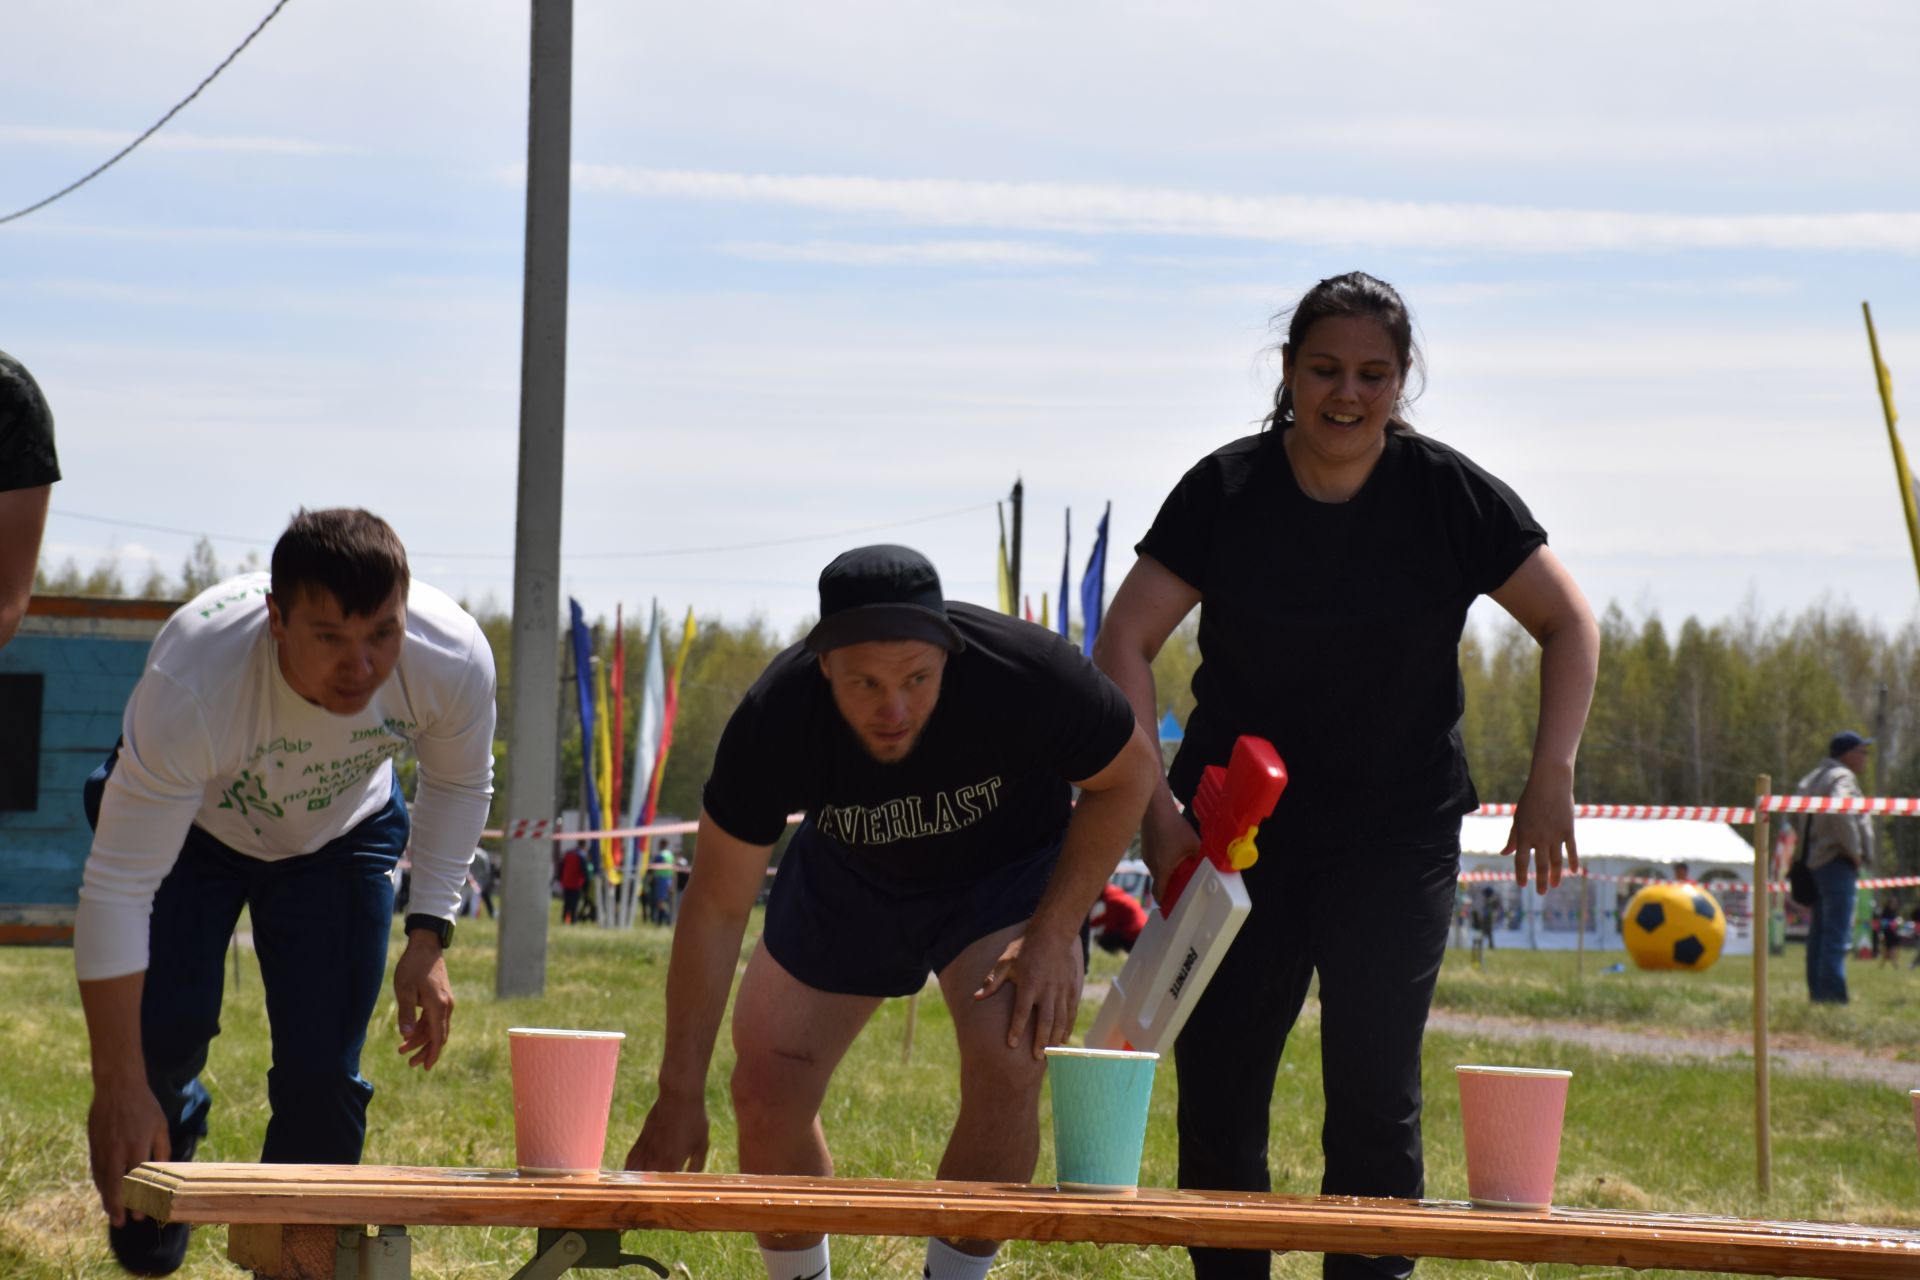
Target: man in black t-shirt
[
  {"x": 28, "y": 469},
  {"x": 933, "y": 747}
]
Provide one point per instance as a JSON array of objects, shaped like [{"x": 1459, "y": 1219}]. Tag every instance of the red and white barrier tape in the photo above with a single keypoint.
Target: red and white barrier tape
[
  {"x": 549, "y": 829},
  {"x": 1903, "y": 806},
  {"x": 1685, "y": 812},
  {"x": 1715, "y": 886}
]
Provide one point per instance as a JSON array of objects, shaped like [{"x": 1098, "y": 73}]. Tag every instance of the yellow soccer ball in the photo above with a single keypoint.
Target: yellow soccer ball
[{"x": 1674, "y": 926}]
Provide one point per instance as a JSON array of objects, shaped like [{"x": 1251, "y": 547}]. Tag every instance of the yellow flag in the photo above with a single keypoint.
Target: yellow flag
[
  {"x": 1900, "y": 467},
  {"x": 1043, "y": 612},
  {"x": 603, "y": 765}
]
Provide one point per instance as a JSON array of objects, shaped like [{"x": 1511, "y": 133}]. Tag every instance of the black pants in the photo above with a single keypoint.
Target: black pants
[
  {"x": 1374, "y": 924},
  {"x": 320, "y": 928}
]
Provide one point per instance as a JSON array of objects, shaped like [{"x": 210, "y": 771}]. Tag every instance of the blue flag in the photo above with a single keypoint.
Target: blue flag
[
  {"x": 583, "y": 678},
  {"x": 1066, "y": 559},
  {"x": 1093, "y": 586}
]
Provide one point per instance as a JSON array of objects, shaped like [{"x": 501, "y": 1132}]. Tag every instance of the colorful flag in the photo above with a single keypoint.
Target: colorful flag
[
  {"x": 583, "y": 682},
  {"x": 603, "y": 761},
  {"x": 1093, "y": 586},
  {"x": 672, "y": 708},
  {"x": 1001, "y": 569},
  {"x": 1900, "y": 468},
  {"x": 618, "y": 702},
  {"x": 646, "y": 729},
  {"x": 1066, "y": 561}
]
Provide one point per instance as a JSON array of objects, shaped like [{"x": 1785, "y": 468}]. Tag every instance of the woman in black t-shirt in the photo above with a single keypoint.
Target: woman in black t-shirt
[{"x": 1334, "y": 557}]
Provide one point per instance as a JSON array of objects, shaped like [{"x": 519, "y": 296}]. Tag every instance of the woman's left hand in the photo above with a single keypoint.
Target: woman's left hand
[{"x": 1542, "y": 829}]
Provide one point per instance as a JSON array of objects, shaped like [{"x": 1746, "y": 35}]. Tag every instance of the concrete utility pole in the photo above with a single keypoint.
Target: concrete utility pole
[{"x": 533, "y": 740}]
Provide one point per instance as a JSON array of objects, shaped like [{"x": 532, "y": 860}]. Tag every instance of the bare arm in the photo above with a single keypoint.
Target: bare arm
[
  {"x": 1146, "y": 609},
  {"x": 1543, "y": 597},
  {"x": 1043, "y": 963},
  {"x": 125, "y": 1125},
  {"x": 23, "y": 514},
  {"x": 721, "y": 890}
]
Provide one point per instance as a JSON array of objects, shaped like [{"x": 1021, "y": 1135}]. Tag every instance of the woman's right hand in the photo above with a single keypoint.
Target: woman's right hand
[{"x": 1166, "y": 840}]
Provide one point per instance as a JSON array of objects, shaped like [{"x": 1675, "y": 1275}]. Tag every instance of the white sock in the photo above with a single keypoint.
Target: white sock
[
  {"x": 944, "y": 1262},
  {"x": 797, "y": 1264}
]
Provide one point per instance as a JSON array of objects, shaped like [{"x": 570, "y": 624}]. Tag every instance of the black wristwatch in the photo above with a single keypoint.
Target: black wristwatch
[{"x": 441, "y": 929}]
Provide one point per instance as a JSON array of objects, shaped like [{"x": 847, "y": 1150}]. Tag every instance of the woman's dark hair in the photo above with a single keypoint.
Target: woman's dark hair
[
  {"x": 352, "y": 554},
  {"x": 1353, "y": 294}
]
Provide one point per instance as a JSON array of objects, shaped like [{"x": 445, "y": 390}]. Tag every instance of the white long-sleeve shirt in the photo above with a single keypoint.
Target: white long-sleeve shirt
[{"x": 214, "y": 736}]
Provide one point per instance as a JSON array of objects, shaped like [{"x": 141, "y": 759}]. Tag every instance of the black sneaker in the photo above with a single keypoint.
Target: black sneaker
[{"x": 145, "y": 1247}]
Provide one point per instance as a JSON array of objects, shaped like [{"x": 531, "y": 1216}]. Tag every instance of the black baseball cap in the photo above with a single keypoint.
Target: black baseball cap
[
  {"x": 882, "y": 593},
  {"x": 1845, "y": 741}
]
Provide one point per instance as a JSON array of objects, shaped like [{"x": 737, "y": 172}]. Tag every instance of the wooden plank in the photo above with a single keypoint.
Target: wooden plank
[
  {"x": 323, "y": 1194},
  {"x": 35, "y": 935},
  {"x": 100, "y": 607}
]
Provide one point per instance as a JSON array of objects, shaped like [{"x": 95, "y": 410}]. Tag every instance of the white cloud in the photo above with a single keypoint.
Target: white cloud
[
  {"x": 1102, "y": 209},
  {"x": 929, "y": 253},
  {"x": 108, "y": 141}
]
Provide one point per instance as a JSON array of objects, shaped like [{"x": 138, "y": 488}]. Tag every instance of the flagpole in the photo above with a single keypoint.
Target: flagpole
[
  {"x": 1013, "y": 566},
  {"x": 1885, "y": 382}
]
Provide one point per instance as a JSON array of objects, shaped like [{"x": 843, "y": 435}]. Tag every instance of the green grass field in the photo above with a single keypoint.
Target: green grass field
[{"x": 1642, "y": 1133}]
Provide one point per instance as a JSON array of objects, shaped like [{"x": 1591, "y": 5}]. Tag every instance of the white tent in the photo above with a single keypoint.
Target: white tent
[{"x": 1617, "y": 854}]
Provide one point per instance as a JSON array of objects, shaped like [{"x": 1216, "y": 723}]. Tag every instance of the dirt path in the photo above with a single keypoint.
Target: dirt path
[
  {"x": 1806, "y": 1058},
  {"x": 1792, "y": 1055}
]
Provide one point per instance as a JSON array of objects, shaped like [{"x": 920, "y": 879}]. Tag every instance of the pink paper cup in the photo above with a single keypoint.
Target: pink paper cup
[
  {"x": 562, "y": 1092},
  {"x": 1512, "y": 1117}
]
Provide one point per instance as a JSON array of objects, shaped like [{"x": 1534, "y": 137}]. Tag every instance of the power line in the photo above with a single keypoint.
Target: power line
[
  {"x": 117, "y": 522},
  {"x": 123, "y": 152}
]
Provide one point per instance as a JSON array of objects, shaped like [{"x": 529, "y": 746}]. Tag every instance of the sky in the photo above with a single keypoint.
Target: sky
[{"x": 842, "y": 272}]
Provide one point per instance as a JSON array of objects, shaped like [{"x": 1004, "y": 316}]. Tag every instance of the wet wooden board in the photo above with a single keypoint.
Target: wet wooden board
[{"x": 323, "y": 1195}]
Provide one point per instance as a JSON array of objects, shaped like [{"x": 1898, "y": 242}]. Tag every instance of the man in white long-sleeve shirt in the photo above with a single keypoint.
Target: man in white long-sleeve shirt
[{"x": 256, "y": 770}]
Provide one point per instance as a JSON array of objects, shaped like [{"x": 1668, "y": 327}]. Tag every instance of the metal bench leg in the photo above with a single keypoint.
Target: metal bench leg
[{"x": 560, "y": 1251}]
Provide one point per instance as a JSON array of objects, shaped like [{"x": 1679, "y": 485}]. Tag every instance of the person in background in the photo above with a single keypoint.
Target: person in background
[
  {"x": 1333, "y": 558},
  {"x": 573, "y": 882},
  {"x": 1117, "y": 919},
  {"x": 1839, "y": 847}
]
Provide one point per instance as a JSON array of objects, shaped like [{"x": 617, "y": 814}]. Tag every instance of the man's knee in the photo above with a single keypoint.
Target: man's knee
[
  {"x": 772, "y": 1087},
  {"x": 1008, "y": 1077}
]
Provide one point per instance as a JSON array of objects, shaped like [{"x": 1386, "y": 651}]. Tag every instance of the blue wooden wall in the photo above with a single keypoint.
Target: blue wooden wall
[{"x": 88, "y": 680}]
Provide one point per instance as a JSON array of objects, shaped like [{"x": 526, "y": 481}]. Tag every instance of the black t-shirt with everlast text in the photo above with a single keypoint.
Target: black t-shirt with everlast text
[
  {"x": 1021, "y": 715},
  {"x": 1333, "y": 629}
]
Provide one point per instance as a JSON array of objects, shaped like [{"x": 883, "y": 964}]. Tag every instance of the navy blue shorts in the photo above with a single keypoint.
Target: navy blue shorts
[{"x": 836, "y": 928}]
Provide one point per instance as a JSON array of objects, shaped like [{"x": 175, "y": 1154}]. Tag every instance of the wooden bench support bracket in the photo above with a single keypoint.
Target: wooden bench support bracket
[{"x": 560, "y": 1251}]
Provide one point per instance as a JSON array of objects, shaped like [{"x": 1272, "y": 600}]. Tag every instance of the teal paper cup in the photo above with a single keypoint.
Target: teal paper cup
[{"x": 1100, "y": 1101}]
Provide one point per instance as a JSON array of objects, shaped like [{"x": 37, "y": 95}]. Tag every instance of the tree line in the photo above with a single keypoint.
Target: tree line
[{"x": 1685, "y": 716}]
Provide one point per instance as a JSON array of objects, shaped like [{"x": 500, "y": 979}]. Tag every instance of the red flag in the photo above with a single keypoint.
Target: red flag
[{"x": 1029, "y": 604}]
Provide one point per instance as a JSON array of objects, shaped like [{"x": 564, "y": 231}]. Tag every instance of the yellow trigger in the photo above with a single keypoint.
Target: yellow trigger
[{"x": 1242, "y": 852}]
